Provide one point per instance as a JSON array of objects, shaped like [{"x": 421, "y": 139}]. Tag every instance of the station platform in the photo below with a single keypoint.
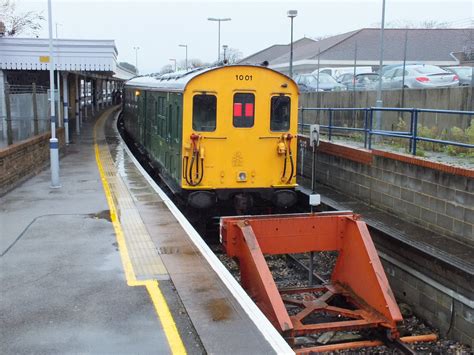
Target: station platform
[{"x": 106, "y": 264}]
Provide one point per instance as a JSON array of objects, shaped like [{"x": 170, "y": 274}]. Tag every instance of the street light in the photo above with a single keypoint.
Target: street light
[
  {"x": 136, "y": 57},
  {"x": 174, "y": 60},
  {"x": 219, "y": 20},
  {"x": 379, "y": 102},
  {"x": 224, "y": 47},
  {"x": 291, "y": 14},
  {"x": 186, "y": 61},
  {"x": 53, "y": 142}
]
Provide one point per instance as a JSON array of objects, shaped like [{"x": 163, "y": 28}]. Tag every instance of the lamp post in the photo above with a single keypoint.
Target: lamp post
[
  {"x": 58, "y": 83},
  {"x": 53, "y": 142},
  {"x": 219, "y": 20},
  {"x": 379, "y": 103},
  {"x": 291, "y": 14},
  {"x": 136, "y": 57},
  {"x": 186, "y": 61},
  {"x": 174, "y": 60},
  {"x": 224, "y": 48}
]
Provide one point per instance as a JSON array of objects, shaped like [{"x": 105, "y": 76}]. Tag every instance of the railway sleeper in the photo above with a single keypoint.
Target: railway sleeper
[{"x": 357, "y": 296}]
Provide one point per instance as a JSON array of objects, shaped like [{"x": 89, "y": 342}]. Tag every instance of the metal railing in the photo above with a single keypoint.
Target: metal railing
[{"x": 369, "y": 131}]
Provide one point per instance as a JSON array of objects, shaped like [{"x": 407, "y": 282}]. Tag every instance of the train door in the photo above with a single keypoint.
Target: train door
[{"x": 148, "y": 117}]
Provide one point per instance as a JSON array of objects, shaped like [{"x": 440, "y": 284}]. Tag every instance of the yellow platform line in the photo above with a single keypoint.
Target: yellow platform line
[{"x": 159, "y": 302}]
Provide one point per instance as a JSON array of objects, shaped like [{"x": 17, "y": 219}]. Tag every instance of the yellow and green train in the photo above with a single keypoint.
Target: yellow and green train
[{"x": 218, "y": 134}]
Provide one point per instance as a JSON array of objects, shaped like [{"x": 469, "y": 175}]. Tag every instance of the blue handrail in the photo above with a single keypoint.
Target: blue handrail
[{"x": 368, "y": 130}]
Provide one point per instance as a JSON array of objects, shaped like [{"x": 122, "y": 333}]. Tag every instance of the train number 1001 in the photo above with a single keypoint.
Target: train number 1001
[{"x": 243, "y": 77}]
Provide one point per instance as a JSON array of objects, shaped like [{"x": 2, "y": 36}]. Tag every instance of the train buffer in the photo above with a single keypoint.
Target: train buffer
[{"x": 357, "y": 297}]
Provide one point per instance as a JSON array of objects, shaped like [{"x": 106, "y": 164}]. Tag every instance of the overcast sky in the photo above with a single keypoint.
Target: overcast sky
[{"x": 158, "y": 27}]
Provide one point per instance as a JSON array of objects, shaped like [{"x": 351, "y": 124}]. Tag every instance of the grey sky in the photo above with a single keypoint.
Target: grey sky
[{"x": 158, "y": 27}]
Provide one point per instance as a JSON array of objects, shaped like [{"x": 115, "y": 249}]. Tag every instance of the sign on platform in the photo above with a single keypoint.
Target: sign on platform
[{"x": 44, "y": 58}]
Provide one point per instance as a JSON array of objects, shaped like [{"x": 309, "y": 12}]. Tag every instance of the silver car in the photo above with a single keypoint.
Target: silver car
[
  {"x": 419, "y": 76},
  {"x": 464, "y": 73}
]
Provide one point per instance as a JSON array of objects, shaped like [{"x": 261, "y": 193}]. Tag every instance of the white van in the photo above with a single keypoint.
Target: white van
[{"x": 337, "y": 72}]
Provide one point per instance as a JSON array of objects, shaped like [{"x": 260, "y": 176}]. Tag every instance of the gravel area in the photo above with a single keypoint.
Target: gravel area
[{"x": 286, "y": 274}]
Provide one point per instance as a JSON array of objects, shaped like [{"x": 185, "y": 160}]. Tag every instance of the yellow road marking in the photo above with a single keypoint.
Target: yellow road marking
[{"x": 159, "y": 302}]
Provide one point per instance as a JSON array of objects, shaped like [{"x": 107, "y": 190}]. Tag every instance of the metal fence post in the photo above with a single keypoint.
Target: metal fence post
[
  {"x": 366, "y": 124},
  {"x": 330, "y": 125},
  {"x": 9, "y": 115},
  {"x": 415, "y": 129},
  {"x": 35, "y": 111},
  {"x": 371, "y": 119},
  {"x": 302, "y": 121}
]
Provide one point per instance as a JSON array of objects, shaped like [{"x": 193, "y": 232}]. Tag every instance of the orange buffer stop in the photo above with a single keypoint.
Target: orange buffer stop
[{"x": 358, "y": 276}]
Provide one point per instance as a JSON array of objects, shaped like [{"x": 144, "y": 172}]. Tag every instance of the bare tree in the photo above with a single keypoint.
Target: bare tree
[
  {"x": 168, "y": 68},
  {"x": 232, "y": 55},
  {"x": 192, "y": 63},
  {"x": 17, "y": 23}
]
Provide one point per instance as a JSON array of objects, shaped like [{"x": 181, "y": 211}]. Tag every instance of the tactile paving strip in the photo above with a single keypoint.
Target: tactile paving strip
[{"x": 145, "y": 259}]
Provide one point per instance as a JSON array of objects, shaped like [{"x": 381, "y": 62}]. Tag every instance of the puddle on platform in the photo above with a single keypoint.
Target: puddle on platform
[
  {"x": 105, "y": 214},
  {"x": 219, "y": 309}
]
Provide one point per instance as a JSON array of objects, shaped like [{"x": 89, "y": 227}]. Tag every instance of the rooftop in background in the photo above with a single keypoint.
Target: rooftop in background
[
  {"x": 431, "y": 46},
  {"x": 69, "y": 54}
]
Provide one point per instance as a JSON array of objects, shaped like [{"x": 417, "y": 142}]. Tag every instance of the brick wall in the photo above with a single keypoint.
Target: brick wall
[
  {"x": 25, "y": 159},
  {"x": 433, "y": 195}
]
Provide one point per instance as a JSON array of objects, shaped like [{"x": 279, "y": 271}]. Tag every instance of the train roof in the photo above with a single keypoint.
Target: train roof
[{"x": 176, "y": 81}]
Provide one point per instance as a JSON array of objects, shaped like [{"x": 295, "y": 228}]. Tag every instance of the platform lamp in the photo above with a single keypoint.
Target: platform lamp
[
  {"x": 53, "y": 142},
  {"x": 219, "y": 20},
  {"x": 291, "y": 14},
  {"x": 186, "y": 60}
]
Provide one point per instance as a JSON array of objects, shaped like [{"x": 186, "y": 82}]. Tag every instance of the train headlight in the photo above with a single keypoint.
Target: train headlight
[{"x": 242, "y": 176}]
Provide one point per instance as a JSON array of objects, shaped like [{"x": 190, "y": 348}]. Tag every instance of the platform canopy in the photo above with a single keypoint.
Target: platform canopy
[{"x": 69, "y": 55}]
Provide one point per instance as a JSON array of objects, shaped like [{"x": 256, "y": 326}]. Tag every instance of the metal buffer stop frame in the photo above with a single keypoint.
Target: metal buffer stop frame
[{"x": 358, "y": 278}]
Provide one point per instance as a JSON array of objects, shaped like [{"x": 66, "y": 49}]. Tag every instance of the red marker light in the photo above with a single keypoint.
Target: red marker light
[
  {"x": 248, "y": 110},
  {"x": 237, "y": 109}
]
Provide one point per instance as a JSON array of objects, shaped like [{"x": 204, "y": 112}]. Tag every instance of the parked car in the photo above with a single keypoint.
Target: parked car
[
  {"x": 309, "y": 82},
  {"x": 386, "y": 68},
  {"x": 366, "y": 81},
  {"x": 464, "y": 74},
  {"x": 337, "y": 72},
  {"x": 419, "y": 76}
]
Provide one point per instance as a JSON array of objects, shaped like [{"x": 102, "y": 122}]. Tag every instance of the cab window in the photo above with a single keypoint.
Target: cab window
[
  {"x": 244, "y": 110},
  {"x": 204, "y": 113},
  {"x": 280, "y": 113}
]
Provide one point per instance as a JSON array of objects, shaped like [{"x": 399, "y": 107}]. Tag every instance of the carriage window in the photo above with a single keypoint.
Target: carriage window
[
  {"x": 280, "y": 113},
  {"x": 244, "y": 110},
  {"x": 204, "y": 113}
]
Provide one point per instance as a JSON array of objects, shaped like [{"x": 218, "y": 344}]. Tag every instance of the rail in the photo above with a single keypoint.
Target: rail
[{"x": 368, "y": 127}]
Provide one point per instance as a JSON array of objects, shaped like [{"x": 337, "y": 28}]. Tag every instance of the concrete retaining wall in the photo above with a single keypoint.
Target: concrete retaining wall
[
  {"x": 434, "y": 195},
  {"x": 22, "y": 160},
  {"x": 454, "y": 318}
]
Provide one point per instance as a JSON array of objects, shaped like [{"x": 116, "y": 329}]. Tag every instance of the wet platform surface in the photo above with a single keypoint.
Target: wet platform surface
[{"x": 63, "y": 287}]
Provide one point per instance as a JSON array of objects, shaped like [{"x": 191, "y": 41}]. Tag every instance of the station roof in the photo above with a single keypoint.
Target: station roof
[{"x": 69, "y": 55}]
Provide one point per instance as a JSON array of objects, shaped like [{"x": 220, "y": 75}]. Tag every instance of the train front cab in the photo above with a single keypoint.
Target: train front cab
[{"x": 239, "y": 137}]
